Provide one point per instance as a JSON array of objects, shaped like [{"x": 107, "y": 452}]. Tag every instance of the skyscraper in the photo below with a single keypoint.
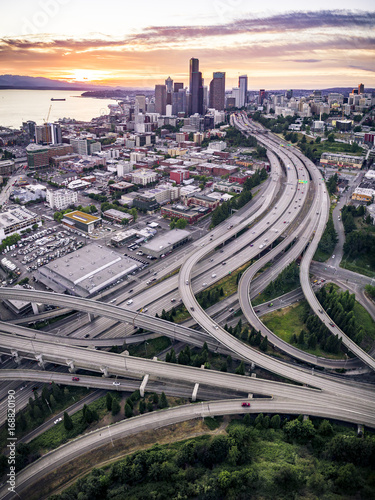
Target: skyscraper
[
  {"x": 262, "y": 95},
  {"x": 196, "y": 88},
  {"x": 217, "y": 91},
  {"x": 160, "y": 99},
  {"x": 169, "y": 84},
  {"x": 242, "y": 85},
  {"x": 177, "y": 86},
  {"x": 361, "y": 88}
]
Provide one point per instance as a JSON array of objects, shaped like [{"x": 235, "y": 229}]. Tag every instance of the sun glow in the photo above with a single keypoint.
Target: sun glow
[{"x": 86, "y": 75}]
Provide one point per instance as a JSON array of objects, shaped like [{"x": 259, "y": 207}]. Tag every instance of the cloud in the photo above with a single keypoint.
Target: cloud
[
  {"x": 305, "y": 60},
  {"x": 363, "y": 68}
]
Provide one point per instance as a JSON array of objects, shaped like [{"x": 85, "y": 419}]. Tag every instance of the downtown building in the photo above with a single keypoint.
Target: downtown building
[
  {"x": 195, "y": 88},
  {"x": 217, "y": 91}
]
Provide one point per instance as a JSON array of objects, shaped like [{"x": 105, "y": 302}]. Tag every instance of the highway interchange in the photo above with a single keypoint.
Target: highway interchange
[{"x": 276, "y": 212}]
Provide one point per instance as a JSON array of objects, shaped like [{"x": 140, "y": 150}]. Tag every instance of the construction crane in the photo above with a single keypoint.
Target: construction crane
[{"x": 49, "y": 112}]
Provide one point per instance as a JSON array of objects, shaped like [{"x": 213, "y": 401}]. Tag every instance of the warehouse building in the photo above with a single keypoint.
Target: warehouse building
[
  {"x": 86, "y": 271},
  {"x": 166, "y": 243},
  {"x": 82, "y": 221}
]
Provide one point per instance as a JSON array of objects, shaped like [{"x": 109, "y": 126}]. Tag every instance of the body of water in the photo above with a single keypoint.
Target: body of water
[{"x": 17, "y": 106}]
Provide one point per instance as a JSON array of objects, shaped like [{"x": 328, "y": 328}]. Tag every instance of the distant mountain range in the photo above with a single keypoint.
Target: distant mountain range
[{"x": 40, "y": 83}]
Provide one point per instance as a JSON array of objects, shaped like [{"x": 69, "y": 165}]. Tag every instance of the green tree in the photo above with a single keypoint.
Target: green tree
[
  {"x": 128, "y": 411},
  {"x": 108, "y": 401},
  {"x": 240, "y": 370},
  {"x": 142, "y": 406},
  {"x": 163, "y": 402},
  {"x": 115, "y": 406},
  {"x": 275, "y": 422},
  {"x": 264, "y": 344},
  {"x": 68, "y": 422}
]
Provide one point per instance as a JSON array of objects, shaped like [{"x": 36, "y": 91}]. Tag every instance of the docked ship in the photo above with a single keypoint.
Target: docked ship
[{"x": 53, "y": 99}]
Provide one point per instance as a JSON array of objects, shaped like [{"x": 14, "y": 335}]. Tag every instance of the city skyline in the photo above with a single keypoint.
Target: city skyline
[{"x": 302, "y": 46}]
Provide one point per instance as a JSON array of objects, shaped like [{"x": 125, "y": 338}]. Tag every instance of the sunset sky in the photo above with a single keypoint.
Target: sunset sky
[{"x": 138, "y": 44}]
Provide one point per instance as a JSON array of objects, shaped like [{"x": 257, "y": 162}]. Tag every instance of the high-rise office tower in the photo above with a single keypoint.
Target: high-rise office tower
[
  {"x": 140, "y": 103},
  {"x": 48, "y": 133},
  {"x": 217, "y": 91},
  {"x": 196, "y": 88},
  {"x": 160, "y": 99},
  {"x": 262, "y": 96},
  {"x": 242, "y": 85},
  {"x": 361, "y": 88},
  {"x": 169, "y": 84},
  {"x": 179, "y": 102},
  {"x": 289, "y": 94},
  {"x": 177, "y": 86}
]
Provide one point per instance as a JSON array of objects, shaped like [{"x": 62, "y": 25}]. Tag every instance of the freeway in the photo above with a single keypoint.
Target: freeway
[
  {"x": 323, "y": 204},
  {"x": 129, "y": 366},
  {"x": 33, "y": 474}
]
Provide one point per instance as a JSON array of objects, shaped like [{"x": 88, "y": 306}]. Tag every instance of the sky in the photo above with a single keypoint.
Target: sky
[{"x": 140, "y": 43}]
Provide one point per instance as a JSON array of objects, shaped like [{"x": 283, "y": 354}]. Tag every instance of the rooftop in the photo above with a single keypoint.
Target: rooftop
[{"x": 166, "y": 240}]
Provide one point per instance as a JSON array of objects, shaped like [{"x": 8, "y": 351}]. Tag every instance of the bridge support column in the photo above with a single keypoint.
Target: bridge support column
[
  {"x": 254, "y": 375},
  {"x": 252, "y": 366},
  {"x": 305, "y": 417},
  {"x": 39, "y": 358},
  {"x": 105, "y": 371},
  {"x": 195, "y": 392},
  {"x": 90, "y": 316},
  {"x": 16, "y": 358},
  {"x": 72, "y": 368},
  {"x": 143, "y": 385},
  {"x": 360, "y": 430},
  {"x": 250, "y": 396},
  {"x": 155, "y": 358}
]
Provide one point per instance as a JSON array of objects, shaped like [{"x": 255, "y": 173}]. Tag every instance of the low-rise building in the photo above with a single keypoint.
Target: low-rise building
[
  {"x": 117, "y": 215},
  {"x": 61, "y": 198},
  {"x": 144, "y": 177},
  {"x": 339, "y": 160},
  {"x": 120, "y": 187},
  {"x": 203, "y": 201},
  {"x": 228, "y": 187},
  {"x": 17, "y": 220},
  {"x": 161, "y": 245},
  {"x": 363, "y": 194},
  {"x": 190, "y": 213},
  {"x": 82, "y": 221}
]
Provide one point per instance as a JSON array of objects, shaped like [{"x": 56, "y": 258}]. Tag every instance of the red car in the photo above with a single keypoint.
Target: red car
[
  {"x": 75, "y": 379},
  {"x": 246, "y": 404}
]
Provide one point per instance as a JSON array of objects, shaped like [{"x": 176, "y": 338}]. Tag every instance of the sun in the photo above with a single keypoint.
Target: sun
[{"x": 85, "y": 75}]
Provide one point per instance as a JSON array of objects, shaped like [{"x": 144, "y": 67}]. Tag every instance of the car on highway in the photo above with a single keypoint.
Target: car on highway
[
  {"x": 231, "y": 309},
  {"x": 87, "y": 335},
  {"x": 130, "y": 291},
  {"x": 246, "y": 404},
  {"x": 116, "y": 383},
  {"x": 223, "y": 263},
  {"x": 173, "y": 300},
  {"x": 213, "y": 275},
  {"x": 35, "y": 388},
  {"x": 75, "y": 379},
  {"x": 333, "y": 256},
  {"x": 130, "y": 302},
  {"x": 204, "y": 284},
  {"x": 187, "y": 282},
  {"x": 216, "y": 327},
  {"x": 192, "y": 308},
  {"x": 331, "y": 324},
  {"x": 57, "y": 420}
]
